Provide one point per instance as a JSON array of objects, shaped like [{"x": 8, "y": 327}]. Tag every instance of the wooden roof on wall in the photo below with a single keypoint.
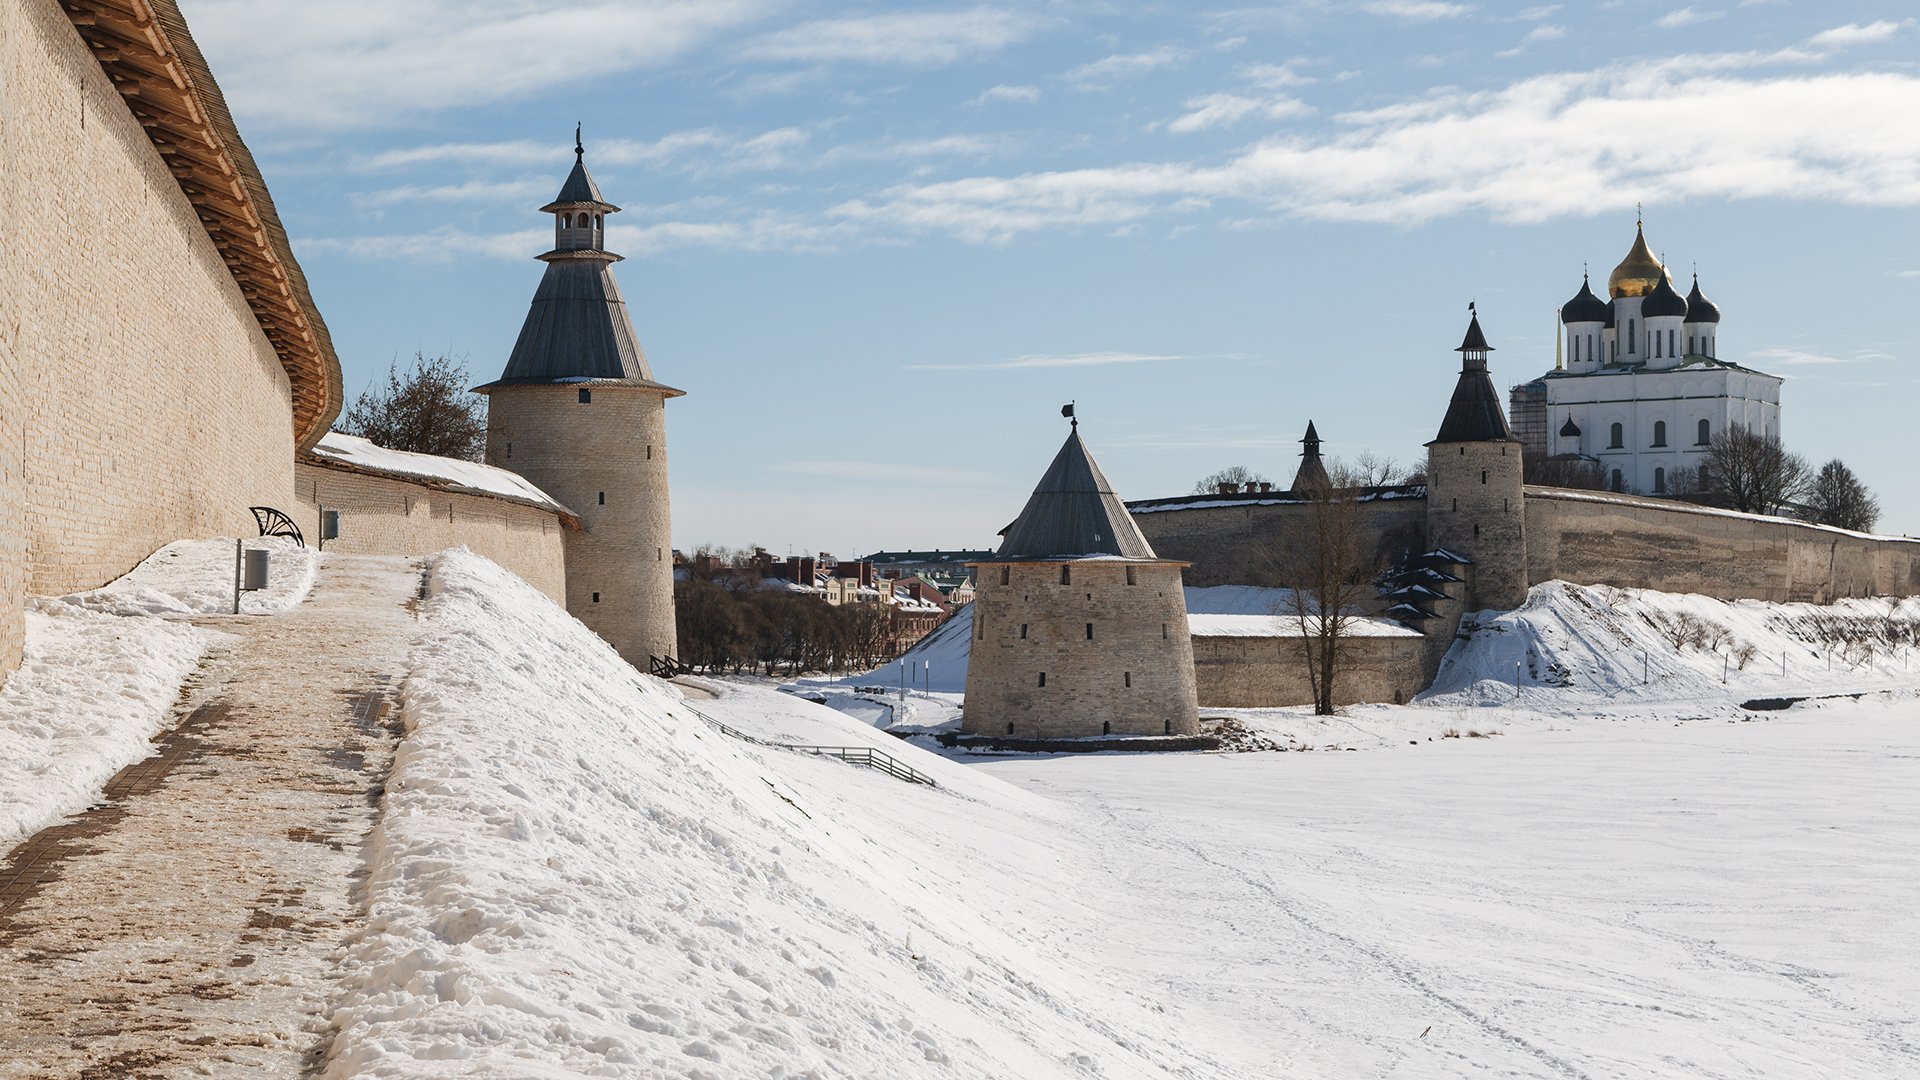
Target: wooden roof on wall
[{"x": 144, "y": 47}]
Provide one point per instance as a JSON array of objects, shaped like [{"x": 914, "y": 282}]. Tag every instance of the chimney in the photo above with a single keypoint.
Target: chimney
[
  {"x": 1265, "y": 486},
  {"x": 1227, "y": 488}
]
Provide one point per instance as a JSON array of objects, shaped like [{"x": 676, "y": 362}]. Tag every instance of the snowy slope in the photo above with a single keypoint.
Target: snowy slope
[
  {"x": 1574, "y": 642},
  {"x": 575, "y": 876}
]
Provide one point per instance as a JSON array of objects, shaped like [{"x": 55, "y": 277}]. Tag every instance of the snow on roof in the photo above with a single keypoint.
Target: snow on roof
[
  {"x": 469, "y": 477},
  {"x": 1277, "y": 498},
  {"x": 1273, "y": 626}
]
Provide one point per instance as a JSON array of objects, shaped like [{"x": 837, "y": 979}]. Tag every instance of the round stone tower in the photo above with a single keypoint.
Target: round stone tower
[
  {"x": 1079, "y": 629},
  {"x": 577, "y": 412},
  {"x": 1476, "y": 486}
]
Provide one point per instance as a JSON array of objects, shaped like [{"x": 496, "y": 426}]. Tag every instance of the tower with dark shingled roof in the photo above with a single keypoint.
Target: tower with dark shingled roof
[
  {"x": 1312, "y": 471},
  {"x": 578, "y": 413},
  {"x": 1079, "y": 629},
  {"x": 1475, "y": 486}
]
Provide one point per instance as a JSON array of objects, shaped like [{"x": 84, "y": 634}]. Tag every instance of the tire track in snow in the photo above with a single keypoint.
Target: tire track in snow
[{"x": 1398, "y": 968}]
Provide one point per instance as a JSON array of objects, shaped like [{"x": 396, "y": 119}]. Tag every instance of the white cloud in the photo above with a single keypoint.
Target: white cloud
[
  {"x": 1111, "y": 69},
  {"x": 1229, "y": 44},
  {"x": 470, "y": 191},
  {"x": 1842, "y": 37},
  {"x": 1534, "y": 37},
  {"x": 1416, "y": 10},
  {"x": 1907, "y": 273},
  {"x": 1540, "y": 148},
  {"x": 296, "y": 64},
  {"x": 701, "y": 150},
  {"x": 1225, "y": 110},
  {"x": 1686, "y": 16},
  {"x": 1535, "y": 14},
  {"x": 907, "y": 38},
  {"x": 1273, "y": 76},
  {"x": 1026, "y": 94},
  {"x": 763, "y": 231},
  {"x": 1794, "y": 357},
  {"x": 1057, "y": 360}
]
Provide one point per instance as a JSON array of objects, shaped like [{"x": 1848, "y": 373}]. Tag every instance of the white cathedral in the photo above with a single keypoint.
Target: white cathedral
[{"x": 1640, "y": 388}]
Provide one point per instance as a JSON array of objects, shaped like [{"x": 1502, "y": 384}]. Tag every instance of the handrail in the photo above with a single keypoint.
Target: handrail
[{"x": 868, "y": 756}]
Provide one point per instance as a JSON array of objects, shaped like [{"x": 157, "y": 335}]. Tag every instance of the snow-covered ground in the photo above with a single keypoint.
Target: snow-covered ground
[
  {"x": 102, "y": 669},
  {"x": 575, "y": 875}
]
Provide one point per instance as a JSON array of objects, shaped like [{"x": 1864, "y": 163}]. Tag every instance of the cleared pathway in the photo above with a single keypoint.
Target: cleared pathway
[{"x": 190, "y": 923}]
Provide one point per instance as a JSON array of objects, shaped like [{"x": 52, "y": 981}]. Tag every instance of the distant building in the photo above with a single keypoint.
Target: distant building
[
  {"x": 935, "y": 564},
  {"x": 1641, "y": 390}
]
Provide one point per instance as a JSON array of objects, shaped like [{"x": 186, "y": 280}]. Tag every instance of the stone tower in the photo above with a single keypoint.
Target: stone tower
[
  {"x": 577, "y": 412},
  {"x": 1312, "y": 471},
  {"x": 1475, "y": 485},
  {"x": 1079, "y": 629}
]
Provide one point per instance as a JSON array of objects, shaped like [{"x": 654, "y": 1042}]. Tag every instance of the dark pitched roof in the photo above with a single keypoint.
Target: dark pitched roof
[
  {"x": 1474, "y": 414},
  {"x": 577, "y": 328},
  {"x": 1475, "y": 341},
  {"x": 1073, "y": 513},
  {"x": 1663, "y": 300},
  {"x": 1585, "y": 306},
  {"x": 579, "y": 190},
  {"x": 1699, "y": 308}
]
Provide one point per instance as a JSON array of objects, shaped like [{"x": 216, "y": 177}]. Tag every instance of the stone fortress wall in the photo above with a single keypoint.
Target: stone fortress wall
[
  {"x": 605, "y": 459},
  {"x": 1251, "y": 672},
  {"x": 142, "y": 401},
  {"x": 1593, "y": 538},
  {"x": 1136, "y": 669},
  {"x": 387, "y": 515},
  {"x": 1231, "y": 539}
]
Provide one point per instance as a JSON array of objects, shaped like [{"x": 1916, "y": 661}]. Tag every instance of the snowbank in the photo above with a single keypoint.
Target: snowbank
[
  {"x": 576, "y": 876},
  {"x": 90, "y": 692},
  {"x": 195, "y": 577}
]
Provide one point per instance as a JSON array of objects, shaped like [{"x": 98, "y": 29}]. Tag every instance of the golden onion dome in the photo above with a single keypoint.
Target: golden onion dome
[{"x": 1639, "y": 273}]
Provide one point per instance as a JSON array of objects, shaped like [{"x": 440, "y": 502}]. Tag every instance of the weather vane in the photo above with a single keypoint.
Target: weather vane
[
  {"x": 579, "y": 151},
  {"x": 1067, "y": 411}
]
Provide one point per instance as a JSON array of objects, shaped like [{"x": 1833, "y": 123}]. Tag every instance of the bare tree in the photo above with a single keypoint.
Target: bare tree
[
  {"x": 1755, "y": 472},
  {"x": 428, "y": 410},
  {"x": 1837, "y": 497},
  {"x": 1565, "y": 472},
  {"x": 1369, "y": 469},
  {"x": 1330, "y": 560},
  {"x": 1237, "y": 475}
]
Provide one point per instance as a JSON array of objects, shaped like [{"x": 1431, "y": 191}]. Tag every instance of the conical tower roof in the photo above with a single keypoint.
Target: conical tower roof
[
  {"x": 1312, "y": 471},
  {"x": 1474, "y": 414},
  {"x": 579, "y": 190},
  {"x": 1073, "y": 514}
]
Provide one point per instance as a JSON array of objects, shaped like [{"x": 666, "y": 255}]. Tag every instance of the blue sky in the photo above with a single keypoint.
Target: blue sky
[{"x": 881, "y": 244}]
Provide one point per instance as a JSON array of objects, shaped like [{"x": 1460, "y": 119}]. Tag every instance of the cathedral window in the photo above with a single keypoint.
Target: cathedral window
[
  {"x": 1616, "y": 483},
  {"x": 1656, "y": 344},
  {"x": 1659, "y": 481},
  {"x": 1659, "y": 433},
  {"x": 1690, "y": 345},
  {"x": 1619, "y": 434},
  {"x": 1630, "y": 337},
  {"x": 1703, "y": 438},
  {"x": 586, "y": 395},
  {"x": 1672, "y": 335}
]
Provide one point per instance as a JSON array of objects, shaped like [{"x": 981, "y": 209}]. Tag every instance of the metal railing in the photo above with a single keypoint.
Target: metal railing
[{"x": 865, "y": 756}]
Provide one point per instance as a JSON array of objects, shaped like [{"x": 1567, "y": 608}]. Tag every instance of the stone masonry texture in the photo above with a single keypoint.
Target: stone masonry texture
[
  {"x": 1134, "y": 673},
  {"x": 1254, "y": 672},
  {"x": 606, "y": 460},
  {"x": 382, "y": 515},
  {"x": 143, "y": 402}
]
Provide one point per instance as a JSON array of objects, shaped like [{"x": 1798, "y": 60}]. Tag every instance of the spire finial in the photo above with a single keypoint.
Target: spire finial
[
  {"x": 579, "y": 151},
  {"x": 1067, "y": 411},
  {"x": 1639, "y": 215}
]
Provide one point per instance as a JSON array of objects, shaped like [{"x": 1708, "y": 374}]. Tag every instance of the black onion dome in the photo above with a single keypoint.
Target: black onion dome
[
  {"x": 1663, "y": 300},
  {"x": 1569, "y": 429},
  {"x": 1585, "y": 307},
  {"x": 1699, "y": 308}
]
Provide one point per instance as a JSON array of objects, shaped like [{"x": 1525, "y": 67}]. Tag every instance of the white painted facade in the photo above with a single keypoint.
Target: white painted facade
[{"x": 1646, "y": 423}]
